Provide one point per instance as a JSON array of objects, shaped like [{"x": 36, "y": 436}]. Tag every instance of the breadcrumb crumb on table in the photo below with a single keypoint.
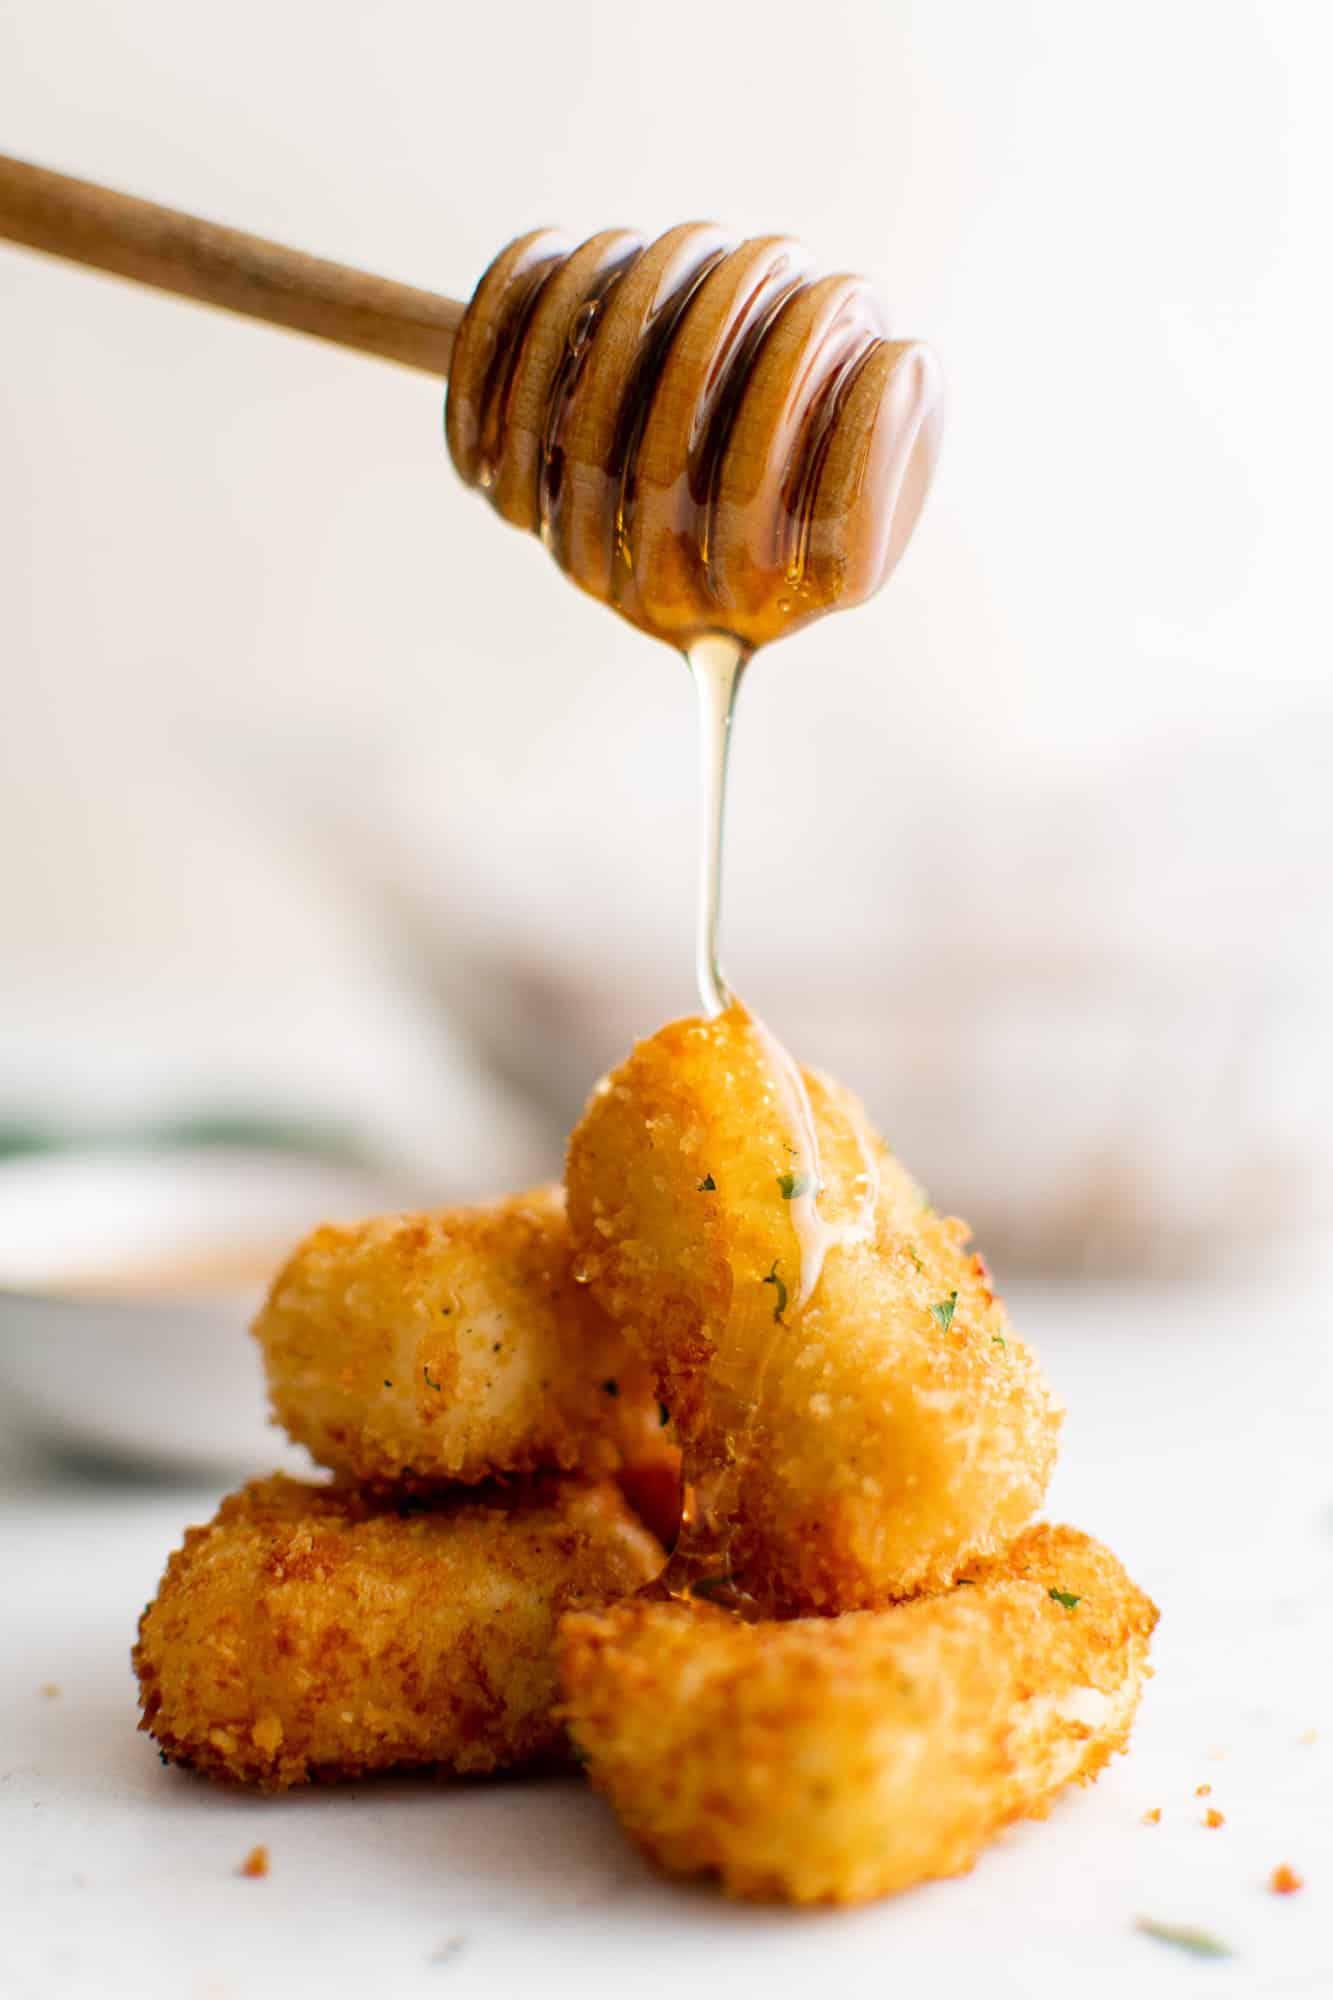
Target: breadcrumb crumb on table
[
  {"x": 50, "y": 1689},
  {"x": 1214, "y": 1818},
  {"x": 1284, "y": 1881},
  {"x": 1153, "y": 1817},
  {"x": 255, "y": 1864}
]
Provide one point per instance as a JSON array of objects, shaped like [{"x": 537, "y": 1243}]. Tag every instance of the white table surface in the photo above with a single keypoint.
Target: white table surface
[{"x": 1198, "y": 1444}]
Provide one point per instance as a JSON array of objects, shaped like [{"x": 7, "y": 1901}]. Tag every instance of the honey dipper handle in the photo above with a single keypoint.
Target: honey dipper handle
[{"x": 225, "y": 267}]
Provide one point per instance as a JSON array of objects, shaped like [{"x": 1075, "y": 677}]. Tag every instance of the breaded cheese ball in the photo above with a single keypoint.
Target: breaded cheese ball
[
  {"x": 448, "y": 1347},
  {"x": 834, "y": 1760},
  {"x": 858, "y": 1417},
  {"x": 307, "y": 1632}
]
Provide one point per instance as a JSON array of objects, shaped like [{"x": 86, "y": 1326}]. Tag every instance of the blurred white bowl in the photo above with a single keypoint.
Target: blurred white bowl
[{"x": 127, "y": 1283}]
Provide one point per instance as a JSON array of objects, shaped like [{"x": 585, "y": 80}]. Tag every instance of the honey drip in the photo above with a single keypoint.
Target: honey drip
[
  {"x": 758, "y": 1322},
  {"x": 717, "y": 663},
  {"x": 815, "y": 1236},
  {"x": 714, "y": 1466},
  {"x": 721, "y": 447},
  {"x": 775, "y": 1279}
]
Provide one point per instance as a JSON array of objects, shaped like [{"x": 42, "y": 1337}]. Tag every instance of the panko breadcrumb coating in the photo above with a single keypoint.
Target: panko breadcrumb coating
[
  {"x": 313, "y": 1633},
  {"x": 834, "y": 1760},
  {"x": 847, "y": 1448},
  {"x": 448, "y": 1347}
]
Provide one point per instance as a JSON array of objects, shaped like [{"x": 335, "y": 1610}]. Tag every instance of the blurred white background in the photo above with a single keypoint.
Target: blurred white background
[{"x": 324, "y": 797}]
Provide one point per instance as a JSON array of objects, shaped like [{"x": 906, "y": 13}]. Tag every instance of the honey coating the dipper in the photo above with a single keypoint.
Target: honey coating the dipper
[{"x": 705, "y": 436}]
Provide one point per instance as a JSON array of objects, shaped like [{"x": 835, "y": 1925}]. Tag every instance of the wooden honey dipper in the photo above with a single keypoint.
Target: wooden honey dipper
[{"x": 706, "y": 437}]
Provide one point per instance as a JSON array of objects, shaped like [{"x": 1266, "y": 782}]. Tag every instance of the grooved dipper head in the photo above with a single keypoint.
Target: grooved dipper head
[{"x": 706, "y": 437}]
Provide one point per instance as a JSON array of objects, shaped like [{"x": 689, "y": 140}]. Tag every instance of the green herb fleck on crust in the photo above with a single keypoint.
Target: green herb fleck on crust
[
  {"x": 1065, "y": 1597},
  {"x": 943, "y": 1312},
  {"x": 792, "y": 1186},
  {"x": 610, "y": 1387},
  {"x": 708, "y": 1185},
  {"x": 438, "y": 1387},
  {"x": 663, "y": 1415},
  {"x": 781, "y": 1306}
]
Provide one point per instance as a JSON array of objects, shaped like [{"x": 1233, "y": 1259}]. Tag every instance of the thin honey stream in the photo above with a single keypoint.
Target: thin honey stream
[
  {"x": 717, "y": 663},
  {"x": 760, "y": 1318}
]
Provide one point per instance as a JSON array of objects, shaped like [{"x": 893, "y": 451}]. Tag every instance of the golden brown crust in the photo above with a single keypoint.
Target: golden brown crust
[
  {"x": 448, "y": 1347},
  {"x": 863, "y": 1445},
  {"x": 834, "y": 1760},
  {"x": 308, "y": 1632}
]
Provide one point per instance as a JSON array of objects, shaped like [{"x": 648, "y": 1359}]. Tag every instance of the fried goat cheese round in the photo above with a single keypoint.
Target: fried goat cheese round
[
  {"x": 307, "y": 1632},
  {"x": 448, "y": 1347},
  {"x": 858, "y": 1417},
  {"x": 835, "y": 1760}
]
